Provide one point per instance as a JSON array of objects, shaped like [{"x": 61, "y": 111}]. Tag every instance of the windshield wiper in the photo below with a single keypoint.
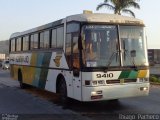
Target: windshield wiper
[
  {"x": 111, "y": 59},
  {"x": 115, "y": 53},
  {"x": 125, "y": 54},
  {"x": 132, "y": 60}
]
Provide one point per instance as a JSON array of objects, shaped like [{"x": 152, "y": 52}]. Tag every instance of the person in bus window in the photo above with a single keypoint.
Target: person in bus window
[{"x": 89, "y": 46}]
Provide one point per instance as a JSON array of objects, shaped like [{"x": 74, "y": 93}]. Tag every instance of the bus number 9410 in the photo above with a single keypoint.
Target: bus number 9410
[{"x": 109, "y": 75}]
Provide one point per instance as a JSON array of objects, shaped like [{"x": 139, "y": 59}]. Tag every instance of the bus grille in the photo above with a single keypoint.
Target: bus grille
[{"x": 119, "y": 81}]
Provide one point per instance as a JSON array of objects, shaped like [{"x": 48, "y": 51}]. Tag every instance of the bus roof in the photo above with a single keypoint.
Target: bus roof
[
  {"x": 105, "y": 18},
  {"x": 89, "y": 18}
]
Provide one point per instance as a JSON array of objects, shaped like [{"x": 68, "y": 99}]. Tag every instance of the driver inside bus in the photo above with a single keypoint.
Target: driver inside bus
[{"x": 89, "y": 46}]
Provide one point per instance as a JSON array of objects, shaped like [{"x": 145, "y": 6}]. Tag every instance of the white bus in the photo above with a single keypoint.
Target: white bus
[{"x": 87, "y": 57}]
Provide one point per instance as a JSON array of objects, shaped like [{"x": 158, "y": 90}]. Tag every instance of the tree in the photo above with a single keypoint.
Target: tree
[{"x": 120, "y": 6}]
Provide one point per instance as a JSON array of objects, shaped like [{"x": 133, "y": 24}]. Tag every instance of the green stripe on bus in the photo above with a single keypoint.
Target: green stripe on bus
[
  {"x": 44, "y": 72},
  {"x": 40, "y": 77},
  {"x": 128, "y": 74},
  {"x": 124, "y": 74},
  {"x": 133, "y": 75}
]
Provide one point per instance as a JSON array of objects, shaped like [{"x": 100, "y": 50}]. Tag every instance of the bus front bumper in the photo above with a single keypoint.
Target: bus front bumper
[{"x": 111, "y": 92}]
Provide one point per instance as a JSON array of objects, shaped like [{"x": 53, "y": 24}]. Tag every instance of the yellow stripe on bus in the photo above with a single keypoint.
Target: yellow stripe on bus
[
  {"x": 29, "y": 72},
  {"x": 142, "y": 73}
]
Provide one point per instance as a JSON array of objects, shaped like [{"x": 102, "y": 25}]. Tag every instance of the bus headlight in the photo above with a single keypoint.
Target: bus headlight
[
  {"x": 143, "y": 88},
  {"x": 96, "y": 95},
  {"x": 96, "y": 92},
  {"x": 93, "y": 93}
]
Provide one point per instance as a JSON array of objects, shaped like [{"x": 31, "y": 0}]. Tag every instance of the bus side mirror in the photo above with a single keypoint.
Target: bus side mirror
[
  {"x": 133, "y": 53},
  {"x": 80, "y": 47}
]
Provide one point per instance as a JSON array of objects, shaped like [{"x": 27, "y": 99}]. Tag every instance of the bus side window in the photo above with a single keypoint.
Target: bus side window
[
  {"x": 41, "y": 40},
  {"x": 60, "y": 37},
  {"x": 54, "y": 39},
  {"x": 72, "y": 52},
  {"x": 34, "y": 41},
  {"x": 13, "y": 41},
  {"x": 18, "y": 44},
  {"x": 25, "y": 43},
  {"x": 68, "y": 50},
  {"x": 76, "y": 62},
  {"x": 46, "y": 39}
]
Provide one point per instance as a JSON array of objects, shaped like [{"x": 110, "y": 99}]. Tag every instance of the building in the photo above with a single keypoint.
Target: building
[
  {"x": 4, "y": 48},
  {"x": 2, "y": 56},
  {"x": 154, "y": 56}
]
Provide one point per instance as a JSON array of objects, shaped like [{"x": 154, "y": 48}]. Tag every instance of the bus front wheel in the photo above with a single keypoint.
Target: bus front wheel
[{"x": 63, "y": 92}]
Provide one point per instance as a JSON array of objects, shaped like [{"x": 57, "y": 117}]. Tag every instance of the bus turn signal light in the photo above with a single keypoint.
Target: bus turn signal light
[{"x": 96, "y": 97}]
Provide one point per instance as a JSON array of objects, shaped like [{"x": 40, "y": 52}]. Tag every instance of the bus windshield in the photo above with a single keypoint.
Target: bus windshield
[
  {"x": 133, "y": 45},
  {"x": 100, "y": 43},
  {"x": 102, "y": 49}
]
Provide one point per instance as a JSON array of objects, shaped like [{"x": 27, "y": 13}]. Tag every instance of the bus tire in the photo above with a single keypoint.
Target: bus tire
[
  {"x": 63, "y": 92},
  {"x": 20, "y": 79}
]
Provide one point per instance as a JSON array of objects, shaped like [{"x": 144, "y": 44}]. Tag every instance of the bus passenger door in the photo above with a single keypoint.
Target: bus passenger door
[
  {"x": 76, "y": 68},
  {"x": 72, "y": 57}
]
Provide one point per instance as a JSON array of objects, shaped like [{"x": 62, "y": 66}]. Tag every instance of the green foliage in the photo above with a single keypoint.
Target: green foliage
[
  {"x": 154, "y": 79},
  {"x": 120, "y": 6}
]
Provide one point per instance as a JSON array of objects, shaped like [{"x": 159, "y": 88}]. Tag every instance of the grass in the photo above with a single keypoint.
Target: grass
[{"x": 154, "y": 79}]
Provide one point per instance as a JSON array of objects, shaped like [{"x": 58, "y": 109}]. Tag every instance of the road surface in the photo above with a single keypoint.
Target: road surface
[
  {"x": 18, "y": 104},
  {"x": 35, "y": 103}
]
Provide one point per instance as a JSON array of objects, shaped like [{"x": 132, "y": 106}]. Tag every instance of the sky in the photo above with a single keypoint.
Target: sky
[{"x": 21, "y": 15}]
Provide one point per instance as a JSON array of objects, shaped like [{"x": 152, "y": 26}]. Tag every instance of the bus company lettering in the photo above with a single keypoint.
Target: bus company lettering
[{"x": 22, "y": 59}]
